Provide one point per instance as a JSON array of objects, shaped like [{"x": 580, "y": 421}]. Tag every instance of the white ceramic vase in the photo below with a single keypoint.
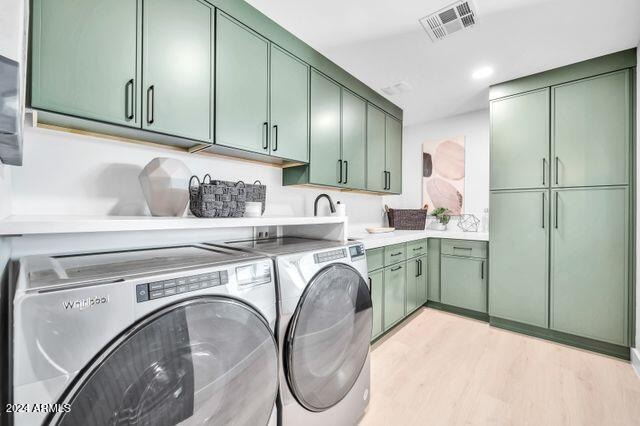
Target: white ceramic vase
[{"x": 165, "y": 185}]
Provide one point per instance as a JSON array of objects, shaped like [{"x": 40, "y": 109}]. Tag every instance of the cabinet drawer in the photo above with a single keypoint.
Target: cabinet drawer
[
  {"x": 465, "y": 248},
  {"x": 416, "y": 248},
  {"x": 394, "y": 254},
  {"x": 375, "y": 258}
]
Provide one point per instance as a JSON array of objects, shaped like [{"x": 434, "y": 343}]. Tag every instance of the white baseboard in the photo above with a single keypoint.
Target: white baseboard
[{"x": 635, "y": 360}]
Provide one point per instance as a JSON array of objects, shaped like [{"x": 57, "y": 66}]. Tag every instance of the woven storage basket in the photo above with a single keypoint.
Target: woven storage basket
[
  {"x": 216, "y": 198},
  {"x": 407, "y": 219},
  {"x": 257, "y": 192}
]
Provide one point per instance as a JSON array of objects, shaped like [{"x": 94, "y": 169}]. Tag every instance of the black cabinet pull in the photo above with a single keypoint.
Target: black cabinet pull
[
  {"x": 386, "y": 180},
  {"x": 462, "y": 248},
  {"x": 265, "y": 135},
  {"x": 150, "y": 104},
  {"x": 557, "y": 208},
  {"x": 389, "y": 186},
  {"x": 417, "y": 248},
  {"x": 557, "y": 170},
  {"x": 396, "y": 268},
  {"x": 544, "y": 171},
  {"x": 340, "y": 167},
  {"x": 482, "y": 270},
  {"x": 346, "y": 172},
  {"x": 543, "y": 199},
  {"x": 417, "y": 268},
  {"x": 395, "y": 254},
  {"x": 275, "y": 139},
  {"x": 128, "y": 100}
]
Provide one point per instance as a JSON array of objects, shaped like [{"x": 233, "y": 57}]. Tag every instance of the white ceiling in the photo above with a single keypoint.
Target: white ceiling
[{"x": 382, "y": 43}]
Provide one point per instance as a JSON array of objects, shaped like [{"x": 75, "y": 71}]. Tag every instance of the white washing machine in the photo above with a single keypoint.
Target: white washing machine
[
  {"x": 176, "y": 335},
  {"x": 324, "y": 329}
]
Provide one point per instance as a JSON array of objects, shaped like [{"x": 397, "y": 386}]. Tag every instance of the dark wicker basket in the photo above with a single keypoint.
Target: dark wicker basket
[
  {"x": 216, "y": 198},
  {"x": 407, "y": 219}
]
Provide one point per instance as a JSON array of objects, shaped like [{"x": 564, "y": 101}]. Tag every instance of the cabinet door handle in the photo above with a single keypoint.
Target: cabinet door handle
[
  {"x": 417, "y": 248},
  {"x": 275, "y": 139},
  {"x": 265, "y": 137},
  {"x": 346, "y": 172},
  {"x": 417, "y": 268},
  {"x": 370, "y": 284},
  {"x": 150, "y": 104},
  {"x": 557, "y": 208},
  {"x": 462, "y": 248},
  {"x": 340, "y": 167},
  {"x": 420, "y": 267},
  {"x": 128, "y": 100},
  {"x": 389, "y": 186},
  {"x": 557, "y": 160},
  {"x": 482, "y": 270},
  {"x": 544, "y": 171},
  {"x": 543, "y": 201},
  {"x": 396, "y": 268}
]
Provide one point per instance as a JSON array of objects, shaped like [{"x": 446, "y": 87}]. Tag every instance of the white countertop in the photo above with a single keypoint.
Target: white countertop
[
  {"x": 371, "y": 241},
  {"x": 33, "y": 224}
]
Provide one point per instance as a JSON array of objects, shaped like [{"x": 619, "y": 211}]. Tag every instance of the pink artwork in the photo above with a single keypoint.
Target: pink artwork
[{"x": 443, "y": 175}]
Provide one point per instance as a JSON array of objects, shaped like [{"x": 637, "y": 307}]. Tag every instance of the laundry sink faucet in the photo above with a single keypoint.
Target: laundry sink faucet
[{"x": 332, "y": 207}]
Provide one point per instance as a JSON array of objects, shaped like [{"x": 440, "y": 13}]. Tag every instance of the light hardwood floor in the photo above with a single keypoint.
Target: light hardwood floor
[{"x": 443, "y": 369}]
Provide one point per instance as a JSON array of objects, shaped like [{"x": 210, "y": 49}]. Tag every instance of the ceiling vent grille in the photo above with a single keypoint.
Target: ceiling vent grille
[{"x": 448, "y": 20}]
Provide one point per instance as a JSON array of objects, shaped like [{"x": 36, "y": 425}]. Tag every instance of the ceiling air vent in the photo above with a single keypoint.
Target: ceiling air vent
[{"x": 450, "y": 19}]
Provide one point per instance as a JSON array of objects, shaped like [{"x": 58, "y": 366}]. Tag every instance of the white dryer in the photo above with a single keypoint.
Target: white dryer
[
  {"x": 324, "y": 329},
  {"x": 177, "y": 335}
]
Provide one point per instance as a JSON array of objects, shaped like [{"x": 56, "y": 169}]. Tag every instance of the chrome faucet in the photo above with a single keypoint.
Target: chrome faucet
[{"x": 315, "y": 204}]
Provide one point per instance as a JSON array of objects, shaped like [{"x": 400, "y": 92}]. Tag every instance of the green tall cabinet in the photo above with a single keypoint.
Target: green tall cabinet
[
  {"x": 561, "y": 156},
  {"x": 87, "y": 62},
  {"x": 177, "y": 73}
]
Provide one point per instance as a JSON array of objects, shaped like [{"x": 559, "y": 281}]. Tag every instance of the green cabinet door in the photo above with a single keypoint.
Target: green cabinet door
[
  {"x": 520, "y": 141},
  {"x": 592, "y": 131},
  {"x": 464, "y": 282},
  {"x": 289, "y": 106},
  {"x": 376, "y": 137},
  {"x": 421, "y": 285},
  {"x": 413, "y": 272},
  {"x": 177, "y": 58},
  {"x": 395, "y": 283},
  {"x": 589, "y": 263},
  {"x": 354, "y": 140},
  {"x": 519, "y": 270},
  {"x": 326, "y": 163},
  {"x": 394, "y": 155},
  {"x": 85, "y": 59},
  {"x": 433, "y": 270},
  {"x": 376, "y": 281},
  {"x": 242, "y": 87}
]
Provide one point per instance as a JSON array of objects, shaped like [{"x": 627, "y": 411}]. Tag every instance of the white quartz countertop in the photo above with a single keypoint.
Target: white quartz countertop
[
  {"x": 33, "y": 224},
  {"x": 371, "y": 241}
]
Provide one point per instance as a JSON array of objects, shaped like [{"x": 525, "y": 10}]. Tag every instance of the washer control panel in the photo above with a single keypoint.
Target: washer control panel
[
  {"x": 328, "y": 256},
  {"x": 356, "y": 252},
  {"x": 158, "y": 289}
]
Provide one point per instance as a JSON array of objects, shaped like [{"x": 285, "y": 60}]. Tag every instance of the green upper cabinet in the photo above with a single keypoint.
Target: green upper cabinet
[
  {"x": 242, "y": 87},
  {"x": 590, "y": 263},
  {"x": 592, "y": 131},
  {"x": 394, "y": 155},
  {"x": 289, "y": 106},
  {"x": 520, "y": 141},
  {"x": 354, "y": 140},
  {"x": 177, "y": 75},
  {"x": 519, "y": 249},
  {"x": 326, "y": 164},
  {"x": 85, "y": 59},
  {"x": 376, "y": 157}
]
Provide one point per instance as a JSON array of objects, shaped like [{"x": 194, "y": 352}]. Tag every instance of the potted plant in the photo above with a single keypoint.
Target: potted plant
[{"x": 443, "y": 217}]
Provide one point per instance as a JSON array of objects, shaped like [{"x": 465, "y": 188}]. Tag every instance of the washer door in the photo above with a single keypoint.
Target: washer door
[
  {"x": 210, "y": 360},
  {"x": 328, "y": 337}
]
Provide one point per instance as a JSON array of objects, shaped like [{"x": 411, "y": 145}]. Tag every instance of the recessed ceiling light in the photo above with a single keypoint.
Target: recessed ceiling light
[{"x": 481, "y": 73}]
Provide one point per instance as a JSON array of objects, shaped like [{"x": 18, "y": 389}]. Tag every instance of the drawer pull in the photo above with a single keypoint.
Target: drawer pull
[
  {"x": 463, "y": 248},
  {"x": 417, "y": 248},
  {"x": 396, "y": 268},
  {"x": 395, "y": 254}
]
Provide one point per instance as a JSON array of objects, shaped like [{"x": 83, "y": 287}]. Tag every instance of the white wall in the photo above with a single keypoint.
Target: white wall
[
  {"x": 475, "y": 127},
  {"x": 66, "y": 174}
]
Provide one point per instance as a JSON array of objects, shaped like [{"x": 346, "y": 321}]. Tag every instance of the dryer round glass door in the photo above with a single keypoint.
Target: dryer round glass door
[
  {"x": 328, "y": 338},
  {"x": 209, "y": 360}
]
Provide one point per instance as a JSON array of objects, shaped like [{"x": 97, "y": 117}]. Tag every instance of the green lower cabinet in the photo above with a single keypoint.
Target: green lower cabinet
[
  {"x": 413, "y": 271},
  {"x": 464, "y": 283},
  {"x": 376, "y": 282},
  {"x": 422, "y": 289},
  {"x": 589, "y": 263},
  {"x": 395, "y": 283},
  {"x": 519, "y": 267},
  {"x": 433, "y": 269}
]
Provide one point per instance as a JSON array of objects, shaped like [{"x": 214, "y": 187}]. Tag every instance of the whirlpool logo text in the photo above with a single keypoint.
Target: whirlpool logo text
[{"x": 87, "y": 303}]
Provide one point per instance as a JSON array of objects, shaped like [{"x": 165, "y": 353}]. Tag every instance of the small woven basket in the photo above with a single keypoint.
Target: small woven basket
[
  {"x": 216, "y": 198},
  {"x": 407, "y": 219}
]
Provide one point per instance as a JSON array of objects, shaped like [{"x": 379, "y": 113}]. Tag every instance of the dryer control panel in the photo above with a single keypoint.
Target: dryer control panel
[
  {"x": 356, "y": 252},
  {"x": 158, "y": 289},
  {"x": 328, "y": 256}
]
